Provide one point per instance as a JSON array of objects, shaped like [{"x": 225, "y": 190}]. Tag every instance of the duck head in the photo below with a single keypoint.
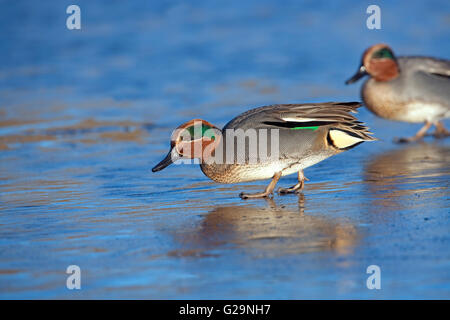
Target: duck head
[
  {"x": 379, "y": 62},
  {"x": 195, "y": 139}
]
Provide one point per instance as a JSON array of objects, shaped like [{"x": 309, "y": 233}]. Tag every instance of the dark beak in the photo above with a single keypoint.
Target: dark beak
[
  {"x": 165, "y": 162},
  {"x": 358, "y": 75}
]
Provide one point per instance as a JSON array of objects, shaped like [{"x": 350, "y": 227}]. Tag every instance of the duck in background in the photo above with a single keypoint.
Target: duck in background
[
  {"x": 305, "y": 135},
  {"x": 409, "y": 89}
]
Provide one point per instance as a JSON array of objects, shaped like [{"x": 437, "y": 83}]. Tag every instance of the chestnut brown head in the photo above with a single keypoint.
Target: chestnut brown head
[
  {"x": 379, "y": 62},
  {"x": 195, "y": 139}
]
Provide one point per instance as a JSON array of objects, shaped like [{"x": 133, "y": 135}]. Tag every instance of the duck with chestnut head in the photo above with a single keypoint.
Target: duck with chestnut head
[
  {"x": 268, "y": 142},
  {"x": 410, "y": 89}
]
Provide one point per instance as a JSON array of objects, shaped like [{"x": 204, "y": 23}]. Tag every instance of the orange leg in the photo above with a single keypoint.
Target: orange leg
[
  {"x": 267, "y": 192},
  {"x": 418, "y": 136},
  {"x": 296, "y": 188},
  {"x": 440, "y": 131}
]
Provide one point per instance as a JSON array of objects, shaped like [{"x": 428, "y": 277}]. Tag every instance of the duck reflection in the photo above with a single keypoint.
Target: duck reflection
[
  {"x": 269, "y": 230},
  {"x": 410, "y": 171}
]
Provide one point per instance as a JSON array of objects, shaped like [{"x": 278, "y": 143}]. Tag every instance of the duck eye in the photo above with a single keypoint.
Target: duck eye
[
  {"x": 383, "y": 53},
  {"x": 187, "y": 135}
]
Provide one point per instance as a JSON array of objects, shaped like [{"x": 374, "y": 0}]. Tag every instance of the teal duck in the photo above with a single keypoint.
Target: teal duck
[
  {"x": 292, "y": 136},
  {"x": 409, "y": 89}
]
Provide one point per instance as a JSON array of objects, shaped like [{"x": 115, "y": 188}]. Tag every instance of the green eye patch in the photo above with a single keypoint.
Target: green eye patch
[
  {"x": 204, "y": 130},
  {"x": 383, "y": 53}
]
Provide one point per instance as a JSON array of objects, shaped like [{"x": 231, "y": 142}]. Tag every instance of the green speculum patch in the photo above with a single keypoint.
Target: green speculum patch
[{"x": 305, "y": 128}]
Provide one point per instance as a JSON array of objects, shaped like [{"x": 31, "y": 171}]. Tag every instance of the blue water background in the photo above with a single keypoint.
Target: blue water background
[{"x": 85, "y": 114}]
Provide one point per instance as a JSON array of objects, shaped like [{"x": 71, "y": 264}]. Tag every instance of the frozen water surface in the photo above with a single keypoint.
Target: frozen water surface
[{"x": 84, "y": 116}]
